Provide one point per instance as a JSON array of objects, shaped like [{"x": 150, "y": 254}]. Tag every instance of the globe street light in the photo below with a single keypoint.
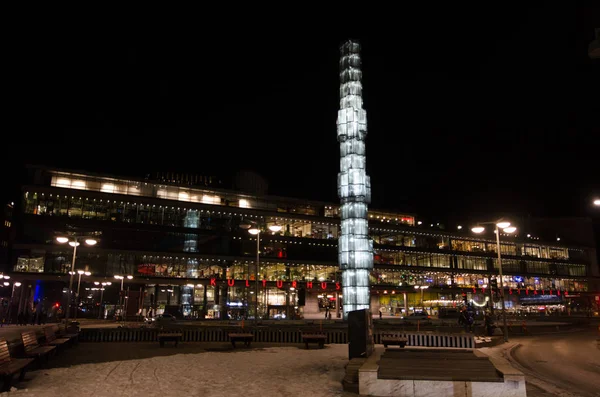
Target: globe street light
[
  {"x": 73, "y": 242},
  {"x": 507, "y": 228}
]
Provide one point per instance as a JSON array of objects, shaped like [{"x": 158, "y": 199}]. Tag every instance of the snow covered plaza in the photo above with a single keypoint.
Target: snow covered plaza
[{"x": 189, "y": 370}]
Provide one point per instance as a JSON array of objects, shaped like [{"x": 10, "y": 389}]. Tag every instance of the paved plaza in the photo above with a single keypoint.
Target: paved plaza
[{"x": 191, "y": 369}]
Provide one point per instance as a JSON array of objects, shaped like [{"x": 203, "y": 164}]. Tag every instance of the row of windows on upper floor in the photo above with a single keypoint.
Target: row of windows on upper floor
[
  {"x": 129, "y": 212},
  {"x": 271, "y": 246},
  {"x": 109, "y": 264},
  {"x": 185, "y": 194},
  {"x": 206, "y": 196},
  {"x": 271, "y": 249}
]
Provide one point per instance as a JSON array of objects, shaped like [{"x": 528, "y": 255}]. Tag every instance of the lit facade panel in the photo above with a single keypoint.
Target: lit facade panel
[
  {"x": 352, "y": 147},
  {"x": 354, "y": 210},
  {"x": 355, "y": 226},
  {"x": 355, "y": 248}
]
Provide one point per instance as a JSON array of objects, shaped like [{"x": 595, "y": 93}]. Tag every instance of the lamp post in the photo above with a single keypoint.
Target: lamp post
[
  {"x": 80, "y": 272},
  {"x": 422, "y": 288},
  {"x": 255, "y": 231},
  {"x": 122, "y": 278},
  {"x": 507, "y": 228},
  {"x": 12, "y": 294},
  {"x": 73, "y": 242},
  {"x": 597, "y": 202},
  {"x": 104, "y": 284}
]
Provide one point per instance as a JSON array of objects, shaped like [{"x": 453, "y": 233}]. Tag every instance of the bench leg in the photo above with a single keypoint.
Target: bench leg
[
  {"x": 306, "y": 345},
  {"x": 162, "y": 343},
  {"x": 22, "y": 375},
  {"x": 6, "y": 382},
  {"x": 233, "y": 343}
]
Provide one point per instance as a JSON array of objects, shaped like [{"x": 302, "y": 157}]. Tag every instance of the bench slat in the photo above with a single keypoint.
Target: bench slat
[{"x": 4, "y": 352}]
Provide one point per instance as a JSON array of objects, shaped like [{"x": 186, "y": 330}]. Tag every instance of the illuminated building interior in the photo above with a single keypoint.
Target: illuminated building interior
[{"x": 176, "y": 247}]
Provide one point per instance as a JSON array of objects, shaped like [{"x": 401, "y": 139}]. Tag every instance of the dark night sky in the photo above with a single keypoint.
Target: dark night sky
[{"x": 471, "y": 111}]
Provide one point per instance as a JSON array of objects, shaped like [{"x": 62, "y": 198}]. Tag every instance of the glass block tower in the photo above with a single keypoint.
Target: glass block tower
[{"x": 355, "y": 248}]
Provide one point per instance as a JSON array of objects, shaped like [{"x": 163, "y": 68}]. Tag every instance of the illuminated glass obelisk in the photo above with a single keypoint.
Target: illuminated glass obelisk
[{"x": 355, "y": 248}]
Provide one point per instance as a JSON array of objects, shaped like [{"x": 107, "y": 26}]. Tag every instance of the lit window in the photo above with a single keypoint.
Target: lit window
[
  {"x": 78, "y": 185},
  {"x": 108, "y": 188},
  {"x": 63, "y": 182},
  {"x": 206, "y": 199}
]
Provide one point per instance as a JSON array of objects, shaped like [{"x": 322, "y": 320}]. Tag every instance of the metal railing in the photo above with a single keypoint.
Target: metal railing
[{"x": 270, "y": 335}]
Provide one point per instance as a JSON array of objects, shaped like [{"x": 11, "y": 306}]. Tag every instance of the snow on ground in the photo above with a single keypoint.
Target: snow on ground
[{"x": 266, "y": 372}]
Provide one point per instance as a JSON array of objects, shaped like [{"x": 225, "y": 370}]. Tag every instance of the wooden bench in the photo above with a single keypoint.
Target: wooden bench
[
  {"x": 440, "y": 365},
  {"x": 10, "y": 366},
  {"x": 169, "y": 336},
  {"x": 314, "y": 337},
  {"x": 241, "y": 337},
  {"x": 52, "y": 340},
  {"x": 32, "y": 347},
  {"x": 393, "y": 339},
  {"x": 71, "y": 332}
]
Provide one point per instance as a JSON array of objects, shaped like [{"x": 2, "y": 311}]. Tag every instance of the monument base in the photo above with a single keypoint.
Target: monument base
[{"x": 428, "y": 373}]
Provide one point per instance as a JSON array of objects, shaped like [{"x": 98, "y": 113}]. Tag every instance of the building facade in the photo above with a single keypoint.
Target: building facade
[{"x": 188, "y": 255}]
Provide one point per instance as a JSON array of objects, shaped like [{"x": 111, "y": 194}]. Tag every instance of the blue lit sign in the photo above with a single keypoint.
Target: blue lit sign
[{"x": 518, "y": 279}]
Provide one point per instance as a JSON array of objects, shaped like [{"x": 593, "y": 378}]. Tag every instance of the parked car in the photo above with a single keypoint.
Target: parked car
[
  {"x": 422, "y": 315},
  {"x": 161, "y": 319}
]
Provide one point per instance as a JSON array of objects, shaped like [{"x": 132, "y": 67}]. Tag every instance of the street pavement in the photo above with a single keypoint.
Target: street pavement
[{"x": 565, "y": 364}]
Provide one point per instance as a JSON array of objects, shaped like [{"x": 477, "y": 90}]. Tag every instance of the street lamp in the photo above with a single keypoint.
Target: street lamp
[
  {"x": 422, "y": 288},
  {"x": 507, "y": 228},
  {"x": 255, "y": 231},
  {"x": 73, "y": 242},
  {"x": 104, "y": 284},
  {"x": 597, "y": 202},
  {"x": 122, "y": 278},
  {"x": 80, "y": 273},
  {"x": 12, "y": 294}
]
